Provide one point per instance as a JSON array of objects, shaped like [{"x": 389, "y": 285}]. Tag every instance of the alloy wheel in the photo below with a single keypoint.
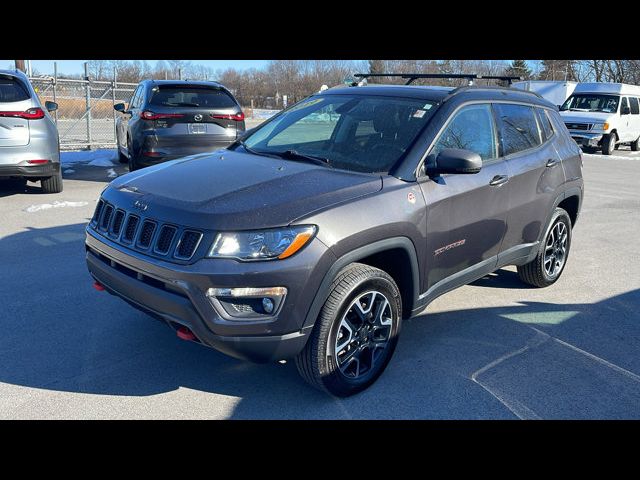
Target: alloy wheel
[
  {"x": 363, "y": 334},
  {"x": 555, "y": 252}
]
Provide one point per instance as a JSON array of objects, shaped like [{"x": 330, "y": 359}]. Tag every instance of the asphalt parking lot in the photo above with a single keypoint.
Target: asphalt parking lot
[{"x": 496, "y": 349}]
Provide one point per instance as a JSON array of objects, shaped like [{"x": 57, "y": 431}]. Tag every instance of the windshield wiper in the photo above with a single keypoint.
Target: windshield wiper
[
  {"x": 254, "y": 152},
  {"x": 295, "y": 155}
]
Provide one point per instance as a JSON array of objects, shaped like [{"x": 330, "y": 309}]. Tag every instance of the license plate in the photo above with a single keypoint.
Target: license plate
[{"x": 197, "y": 128}]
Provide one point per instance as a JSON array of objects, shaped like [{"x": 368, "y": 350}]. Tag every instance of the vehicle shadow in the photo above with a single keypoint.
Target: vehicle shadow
[{"x": 59, "y": 334}]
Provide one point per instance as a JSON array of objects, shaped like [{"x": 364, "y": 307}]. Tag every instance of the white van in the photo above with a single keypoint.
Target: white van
[
  {"x": 554, "y": 91},
  {"x": 603, "y": 115}
]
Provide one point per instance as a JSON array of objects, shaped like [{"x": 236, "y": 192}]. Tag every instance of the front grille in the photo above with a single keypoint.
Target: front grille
[
  {"x": 578, "y": 126},
  {"x": 165, "y": 238},
  {"x": 96, "y": 214},
  {"x": 130, "y": 229},
  {"x": 145, "y": 235},
  {"x": 106, "y": 217},
  {"x": 118, "y": 218},
  {"x": 188, "y": 244}
]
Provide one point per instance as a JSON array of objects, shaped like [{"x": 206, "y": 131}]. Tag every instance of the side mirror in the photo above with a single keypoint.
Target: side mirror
[
  {"x": 625, "y": 111},
  {"x": 453, "y": 160},
  {"x": 120, "y": 107},
  {"x": 50, "y": 106}
]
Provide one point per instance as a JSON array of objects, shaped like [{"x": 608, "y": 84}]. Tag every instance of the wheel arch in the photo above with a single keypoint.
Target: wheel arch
[{"x": 397, "y": 256}]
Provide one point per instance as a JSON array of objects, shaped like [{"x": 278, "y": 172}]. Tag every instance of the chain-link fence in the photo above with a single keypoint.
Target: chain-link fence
[{"x": 85, "y": 115}]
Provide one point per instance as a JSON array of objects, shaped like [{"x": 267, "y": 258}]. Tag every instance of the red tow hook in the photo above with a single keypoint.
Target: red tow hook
[
  {"x": 185, "y": 334},
  {"x": 98, "y": 286}
]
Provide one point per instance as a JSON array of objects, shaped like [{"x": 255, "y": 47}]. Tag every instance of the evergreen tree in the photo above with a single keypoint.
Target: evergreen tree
[{"x": 519, "y": 68}]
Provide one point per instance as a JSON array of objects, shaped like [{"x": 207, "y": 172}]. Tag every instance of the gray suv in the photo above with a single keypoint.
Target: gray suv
[
  {"x": 29, "y": 145},
  {"x": 317, "y": 233},
  {"x": 169, "y": 119}
]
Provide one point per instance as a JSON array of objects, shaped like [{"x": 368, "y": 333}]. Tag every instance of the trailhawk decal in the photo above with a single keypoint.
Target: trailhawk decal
[{"x": 449, "y": 247}]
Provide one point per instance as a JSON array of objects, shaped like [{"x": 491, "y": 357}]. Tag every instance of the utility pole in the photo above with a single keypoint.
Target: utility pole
[{"x": 20, "y": 65}]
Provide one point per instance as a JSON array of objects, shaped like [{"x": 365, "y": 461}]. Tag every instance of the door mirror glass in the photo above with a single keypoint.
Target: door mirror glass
[{"x": 51, "y": 106}]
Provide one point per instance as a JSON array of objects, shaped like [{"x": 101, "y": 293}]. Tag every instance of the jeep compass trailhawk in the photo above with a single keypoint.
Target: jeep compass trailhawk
[{"x": 315, "y": 234}]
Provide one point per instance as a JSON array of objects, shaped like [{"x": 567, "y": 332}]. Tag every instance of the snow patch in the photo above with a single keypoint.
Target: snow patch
[
  {"x": 101, "y": 162},
  {"x": 96, "y": 158},
  {"x": 111, "y": 173},
  {"x": 69, "y": 171},
  {"x": 56, "y": 204}
]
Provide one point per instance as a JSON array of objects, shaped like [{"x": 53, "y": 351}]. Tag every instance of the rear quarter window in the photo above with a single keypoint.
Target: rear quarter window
[
  {"x": 192, "y": 97},
  {"x": 545, "y": 124},
  {"x": 517, "y": 127},
  {"x": 635, "y": 108},
  {"x": 12, "y": 90}
]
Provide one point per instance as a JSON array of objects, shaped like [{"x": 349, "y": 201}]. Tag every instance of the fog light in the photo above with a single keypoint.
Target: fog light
[
  {"x": 267, "y": 304},
  {"x": 247, "y": 303}
]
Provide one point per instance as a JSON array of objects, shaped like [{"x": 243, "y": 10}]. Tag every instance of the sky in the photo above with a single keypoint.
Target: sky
[{"x": 76, "y": 66}]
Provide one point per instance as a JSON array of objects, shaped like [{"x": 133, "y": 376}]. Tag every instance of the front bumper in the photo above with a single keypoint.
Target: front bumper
[
  {"x": 586, "y": 139},
  {"x": 42, "y": 170},
  {"x": 175, "y": 295}
]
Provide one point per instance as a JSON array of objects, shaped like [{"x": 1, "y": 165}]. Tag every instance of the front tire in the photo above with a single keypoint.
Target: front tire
[
  {"x": 52, "y": 184},
  {"x": 355, "y": 334},
  {"x": 546, "y": 268},
  {"x": 609, "y": 144}
]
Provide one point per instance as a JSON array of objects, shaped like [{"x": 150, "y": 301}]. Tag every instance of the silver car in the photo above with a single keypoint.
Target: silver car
[{"x": 29, "y": 144}]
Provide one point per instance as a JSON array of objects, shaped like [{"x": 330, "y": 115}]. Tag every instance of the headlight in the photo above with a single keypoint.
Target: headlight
[
  {"x": 600, "y": 126},
  {"x": 262, "y": 245}
]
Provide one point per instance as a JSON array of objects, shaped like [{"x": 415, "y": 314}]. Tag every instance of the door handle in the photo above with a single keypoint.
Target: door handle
[
  {"x": 498, "y": 180},
  {"x": 552, "y": 162}
]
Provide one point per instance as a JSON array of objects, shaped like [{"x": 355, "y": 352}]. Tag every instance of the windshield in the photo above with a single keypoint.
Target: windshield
[
  {"x": 589, "y": 102},
  {"x": 352, "y": 132}
]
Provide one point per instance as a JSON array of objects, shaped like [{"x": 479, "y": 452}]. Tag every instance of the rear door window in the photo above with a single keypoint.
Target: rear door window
[
  {"x": 635, "y": 108},
  {"x": 12, "y": 90},
  {"x": 517, "y": 127},
  {"x": 472, "y": 129},
  {"x": 185, "y": 96}
]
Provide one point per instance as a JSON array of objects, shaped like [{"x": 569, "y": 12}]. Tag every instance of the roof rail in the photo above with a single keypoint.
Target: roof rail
[
  {"x": 488, "y": 87},
  {"x": 411, "y": 77}
]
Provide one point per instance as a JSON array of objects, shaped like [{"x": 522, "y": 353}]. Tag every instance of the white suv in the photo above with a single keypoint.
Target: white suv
[{"x": 603, "y": 115}]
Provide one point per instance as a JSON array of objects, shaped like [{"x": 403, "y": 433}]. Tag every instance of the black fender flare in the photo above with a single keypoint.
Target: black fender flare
[
  {"x": 570, "y": 192},
  {"x": 359, "y": 253}
]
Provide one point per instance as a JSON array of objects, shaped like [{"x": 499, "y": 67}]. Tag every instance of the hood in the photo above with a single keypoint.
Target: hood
[
  {"x": 586, "y": 117},
  {"x": 228, "y": 190}
]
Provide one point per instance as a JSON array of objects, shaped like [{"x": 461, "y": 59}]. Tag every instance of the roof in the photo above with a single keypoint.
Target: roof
[
  {"x": 605, "y": 87},
  {"x": 475, "y": 92},
  {"x": 15, "y": 73},
  {"x": 184, "y": 82},
  {"x": 410, "y": 91}
]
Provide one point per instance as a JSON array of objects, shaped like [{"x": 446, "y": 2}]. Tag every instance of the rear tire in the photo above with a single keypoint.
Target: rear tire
[
  {"x": 364, "y": 309},
  {"x": 546, "y": 268},
  {"x": 122, "y": 158},
  {"x": 52, "y": 184},
  {"x": 609, "y": 143},
  {"x": 635, "y": 146},
  {"x": 131, "y": 160}
]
